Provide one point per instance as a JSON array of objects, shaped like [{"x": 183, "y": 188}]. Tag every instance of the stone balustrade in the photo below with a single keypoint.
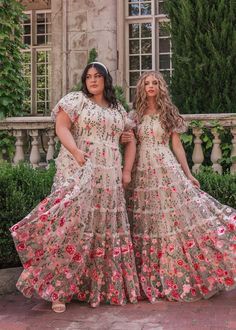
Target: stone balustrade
[
  {"x": 226, "y": 120},
  {"x": 39, "y": 129}
]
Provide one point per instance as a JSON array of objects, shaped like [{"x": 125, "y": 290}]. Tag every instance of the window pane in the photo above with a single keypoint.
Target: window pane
[
  {"x": 134, "y": 47},
  {"x": 47, "y": 107},
  {"x": 27, "y": 29},
  {"x": 142, "y": 38},
  {"x": 27, "y": 107},
  {"x": 40, "y": 18},
  {"x": 164, "y": 62},
  {"x": 27, "y": 71},
  {"x": 146, "y": 30},
  {"x": 41, "y": 57},
  {"x": 146, "y": 9},
  {"x": 27, "y": 40},
  {"x": 27, "y": 19},
  {"x": 147, "y": 62},
  {"x": 164, "y": 45},
  {"x": 131, "y": 94},
  {"x": 146, "y": 46},
  {"x": 41, "y": 29},
  {"x": 41, "y": 83},
  {"x": 133, "y": 10},
  {"x": 133, "y": 30},
  {"x": 41, "y": 108},
  {"x": 133, "y": 77},
  {"x": 161, "y": 7},
  {"x": 163, "y": 29},
  {"x": 40, "y": 40},
  {"x": 40, "y": 95},
  {"x": 41, "y": 69},
  {"x": 134, "y": 63}
]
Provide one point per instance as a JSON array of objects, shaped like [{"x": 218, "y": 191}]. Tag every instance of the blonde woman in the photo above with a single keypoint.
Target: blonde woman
[{"x": 184, "y": 239}]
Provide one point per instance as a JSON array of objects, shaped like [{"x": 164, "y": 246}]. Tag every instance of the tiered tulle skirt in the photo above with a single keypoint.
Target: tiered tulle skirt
[
  {"x": 76, "y": 243},
  {"x": 184, "y": 239}
]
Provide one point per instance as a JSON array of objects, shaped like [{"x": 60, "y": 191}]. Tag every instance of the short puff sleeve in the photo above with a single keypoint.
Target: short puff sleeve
[
  {"x": 181, "y": 127},
  {"x": 72, "y": 104},
  {"x": 128, "y": 117}
]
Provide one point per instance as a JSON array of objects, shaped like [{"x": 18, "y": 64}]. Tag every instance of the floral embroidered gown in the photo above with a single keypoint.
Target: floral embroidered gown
[
  {"x": 184, "y": 240},
  {"x": 76, "y": 243}
]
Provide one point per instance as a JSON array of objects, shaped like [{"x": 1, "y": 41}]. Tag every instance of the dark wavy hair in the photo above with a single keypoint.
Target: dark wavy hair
[{"x": 109, "y": 91}]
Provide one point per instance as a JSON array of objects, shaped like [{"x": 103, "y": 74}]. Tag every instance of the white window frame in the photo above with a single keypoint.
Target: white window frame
[
  {"x": 33, "y": 49},
  {"x": 124, "y": 20}
]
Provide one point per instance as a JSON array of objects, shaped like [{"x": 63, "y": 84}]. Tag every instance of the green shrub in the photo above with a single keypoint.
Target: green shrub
[
  {"x": 221, "y": 187},
  {"x": 204, "y": 50},
  {"x": 21, "y": 189}
]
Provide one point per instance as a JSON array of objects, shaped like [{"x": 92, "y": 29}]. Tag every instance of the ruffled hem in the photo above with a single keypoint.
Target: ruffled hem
[
  {"x": 186, "y": 267},
  {"x": 96, "y": 271},
  {"x": 70, "y": 249}
]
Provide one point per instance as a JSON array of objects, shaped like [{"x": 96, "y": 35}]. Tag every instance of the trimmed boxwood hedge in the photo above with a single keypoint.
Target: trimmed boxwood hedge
[{"x": 22, "y": 188}]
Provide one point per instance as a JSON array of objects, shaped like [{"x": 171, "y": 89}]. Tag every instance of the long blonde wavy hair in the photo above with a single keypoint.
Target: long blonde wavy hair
[{"x": 169, "y": 116}]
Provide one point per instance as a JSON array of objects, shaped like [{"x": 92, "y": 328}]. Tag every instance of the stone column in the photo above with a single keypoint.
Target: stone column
[
  {"x": 77, "y": 27},
  {"x": 34, "y": 154},
  {"x": 51, "y": 145},
  {"x": 91, "y": 24},
  {"x": 216, "y": 153},
  {"x": 197, "y": 156},
  {"x": 58, "y": 80},
  {"x": 19, "y": 153}
]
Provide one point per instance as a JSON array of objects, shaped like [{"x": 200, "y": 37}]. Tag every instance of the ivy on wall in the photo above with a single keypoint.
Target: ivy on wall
[{"x": 11, "y": 79}]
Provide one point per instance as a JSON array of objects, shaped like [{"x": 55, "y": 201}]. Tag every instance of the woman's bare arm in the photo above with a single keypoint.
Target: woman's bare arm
[
  {"x": 181, "y": 157},
  {"x": 129, "y": 157},
  {"x": 63, "y": 131}
]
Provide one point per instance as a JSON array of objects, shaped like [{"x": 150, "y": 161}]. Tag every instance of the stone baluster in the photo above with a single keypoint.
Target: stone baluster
[
  {"x": 19, "y": 153},
  {"x": 34, "y": 154},
  {"x": 216, "y": 153},
  {"x": 51, "y": 144},
  {"x": 233, "y": 152},
  {"x": 197, "y": 156}
]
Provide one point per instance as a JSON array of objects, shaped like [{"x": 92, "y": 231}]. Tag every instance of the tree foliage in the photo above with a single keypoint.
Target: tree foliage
[
  {"x": 204, "y": 55},
  {"x": 11, "y": 80}
]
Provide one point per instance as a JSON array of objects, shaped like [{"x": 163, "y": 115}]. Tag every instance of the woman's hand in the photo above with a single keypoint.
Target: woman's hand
[
  {"x": 126, "y": 178},
  {"x": 127, "y": 136},
  {"x": 81, "y": 157},
  {"x": 195, "y": 182}
]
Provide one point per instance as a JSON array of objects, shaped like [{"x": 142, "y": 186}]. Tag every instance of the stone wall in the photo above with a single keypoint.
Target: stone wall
[
  {"x": 77, "y": 27},
  {"x": 36, "y": 4}
]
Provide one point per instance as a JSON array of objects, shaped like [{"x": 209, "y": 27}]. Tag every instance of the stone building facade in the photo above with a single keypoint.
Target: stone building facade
[{"x": 129, "y": 36}]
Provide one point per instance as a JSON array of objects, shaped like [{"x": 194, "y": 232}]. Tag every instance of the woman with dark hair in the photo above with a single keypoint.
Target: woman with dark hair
[
  {"x": 108, "y": 92},
  {"x": 76, "y": 242}
]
